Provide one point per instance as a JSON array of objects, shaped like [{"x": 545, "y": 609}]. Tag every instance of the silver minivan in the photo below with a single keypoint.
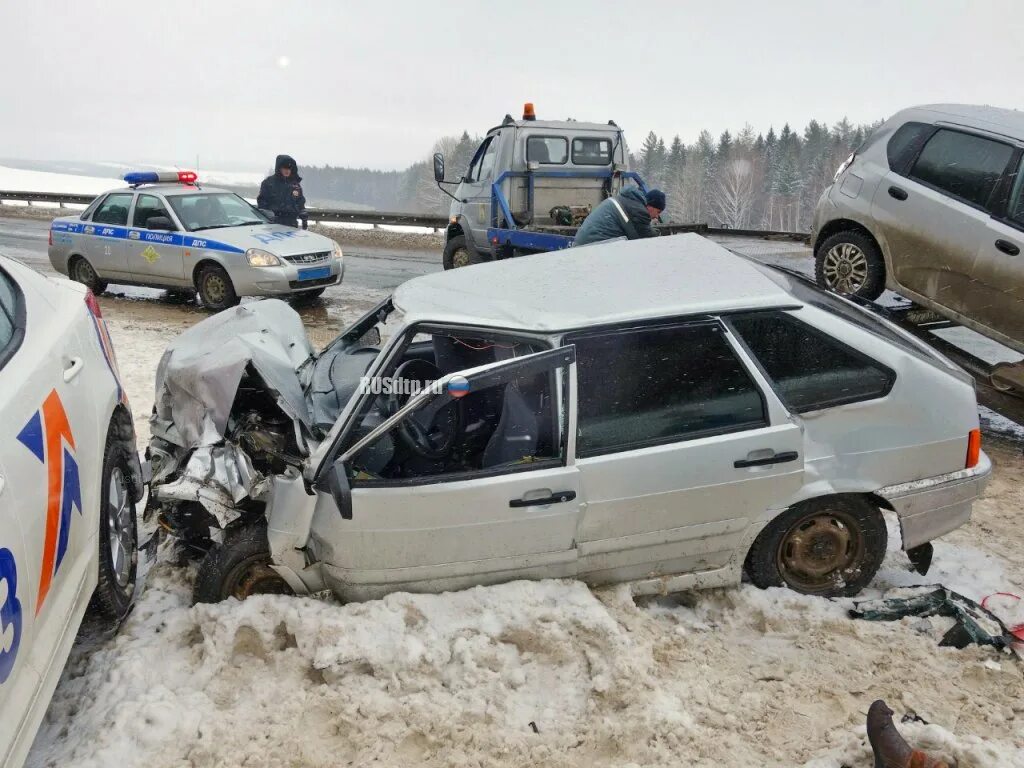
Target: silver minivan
[
  {"x": 661, "y": 412},
  {"x": 932, "y": 207}
]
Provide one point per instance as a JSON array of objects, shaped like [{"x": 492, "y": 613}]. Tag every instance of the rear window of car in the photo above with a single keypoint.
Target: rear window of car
[
  {"x": 809, "y": 369},
  {"x": 591, "y": 151},
  {"x": 547, "y": 150},
  {"x": 649, "y": 386},
  {"x": 905, "y": 144},
  {"x": 12, "y": 318},
  {"x": 113, "y": 210},
  {"x": 965, "y": 166}
]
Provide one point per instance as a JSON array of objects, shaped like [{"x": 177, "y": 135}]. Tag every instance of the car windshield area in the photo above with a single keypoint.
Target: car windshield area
[{"x": 214, "y": 210}]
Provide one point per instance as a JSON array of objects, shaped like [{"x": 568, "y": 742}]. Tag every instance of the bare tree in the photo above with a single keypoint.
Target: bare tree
[{"x": 733, "y": 197}]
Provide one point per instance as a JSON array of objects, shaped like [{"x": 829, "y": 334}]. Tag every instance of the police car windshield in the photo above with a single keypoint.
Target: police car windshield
[{"x": 214, "y": 210}]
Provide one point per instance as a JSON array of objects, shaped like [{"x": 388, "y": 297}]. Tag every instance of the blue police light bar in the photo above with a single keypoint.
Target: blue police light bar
[{"x": 152, "y": 177}]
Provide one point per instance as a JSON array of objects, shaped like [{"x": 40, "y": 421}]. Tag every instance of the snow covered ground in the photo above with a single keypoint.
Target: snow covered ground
[{"x": 547, "y": 673}]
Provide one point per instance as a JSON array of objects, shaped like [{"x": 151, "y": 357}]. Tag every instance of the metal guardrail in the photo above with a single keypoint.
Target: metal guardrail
[
  {"x": 386, "y": 218},
  {"x": 389, "y": 218}
]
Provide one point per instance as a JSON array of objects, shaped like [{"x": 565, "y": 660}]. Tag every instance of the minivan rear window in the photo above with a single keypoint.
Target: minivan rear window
[{"x": 966, "y": 166}]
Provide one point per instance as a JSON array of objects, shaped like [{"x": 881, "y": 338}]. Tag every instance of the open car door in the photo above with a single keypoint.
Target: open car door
[{"x": 512, "y": 515}]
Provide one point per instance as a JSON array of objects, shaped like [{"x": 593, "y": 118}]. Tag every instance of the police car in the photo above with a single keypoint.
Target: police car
[
  {"x": 69, "y": 480},
  {"x": 166, "y": 231}
]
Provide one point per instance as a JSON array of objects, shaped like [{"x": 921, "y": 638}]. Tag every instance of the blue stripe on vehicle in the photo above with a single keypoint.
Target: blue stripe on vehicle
[{"x": 142, "y": 236}]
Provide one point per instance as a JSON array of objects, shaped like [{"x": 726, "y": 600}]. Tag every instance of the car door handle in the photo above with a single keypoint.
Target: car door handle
[
  {"x": 1007, "y": 247},
  {"x": 778, "y": 458},
  {"x": 72, "y": 368},
  {"x": 557, "y": 497},
  {"x": 897, "y": 193}
]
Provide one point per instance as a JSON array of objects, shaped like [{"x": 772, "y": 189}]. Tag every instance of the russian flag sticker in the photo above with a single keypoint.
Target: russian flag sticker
[{"x": 458, "y": 386}]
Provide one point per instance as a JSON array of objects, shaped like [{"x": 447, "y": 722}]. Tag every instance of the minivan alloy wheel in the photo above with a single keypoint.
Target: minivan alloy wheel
[{"x": 845, "y": 268}]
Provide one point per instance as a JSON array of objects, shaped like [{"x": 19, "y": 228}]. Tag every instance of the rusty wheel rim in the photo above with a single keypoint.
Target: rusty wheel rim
[
  {"x": 821, "y": 551},
  {"x": 256, "y": 577}
]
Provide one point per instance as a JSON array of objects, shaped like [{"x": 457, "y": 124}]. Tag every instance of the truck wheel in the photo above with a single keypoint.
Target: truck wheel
[
  {"x": 239, "y": 567},
  {"x": 850, "y": 262},
  {"x": 458, "y": 254},
  {"x": 830, "y": 547},
  {"x": 81, "y": 271},
  {"x": 215, "y": 288},
  {"x": 118, "y": 539}
]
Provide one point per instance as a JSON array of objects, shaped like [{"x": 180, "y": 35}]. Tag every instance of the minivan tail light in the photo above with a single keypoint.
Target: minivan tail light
[
  {"x": 846, "y": 164},
  {"x": 93, "y": 305},
  {"x": 973, "y": 449}
]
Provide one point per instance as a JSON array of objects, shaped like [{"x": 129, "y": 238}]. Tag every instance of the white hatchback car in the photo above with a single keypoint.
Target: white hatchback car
[
  {"x": 661, "y": 412},
  {"x": 69, "y": 479}
]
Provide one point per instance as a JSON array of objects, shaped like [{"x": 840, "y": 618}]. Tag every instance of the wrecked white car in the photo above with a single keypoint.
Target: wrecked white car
[{"x": 660, "y": 412}]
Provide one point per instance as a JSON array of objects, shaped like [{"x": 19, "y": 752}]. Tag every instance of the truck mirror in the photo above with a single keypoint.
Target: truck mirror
[
  {"x": 438, "y": 167},
  {"x": 335, "y": 482}
]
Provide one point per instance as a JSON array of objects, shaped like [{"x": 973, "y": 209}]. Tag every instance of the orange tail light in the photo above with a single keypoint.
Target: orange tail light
[{"x": 973, "y": 448}]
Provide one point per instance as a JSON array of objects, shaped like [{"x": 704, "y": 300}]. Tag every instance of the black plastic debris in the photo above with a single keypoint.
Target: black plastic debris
[{"x": 974, "y": 624}]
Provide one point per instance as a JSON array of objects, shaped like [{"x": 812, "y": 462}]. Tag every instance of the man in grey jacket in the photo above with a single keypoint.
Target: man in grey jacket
[{"x": 629, "y": 214}]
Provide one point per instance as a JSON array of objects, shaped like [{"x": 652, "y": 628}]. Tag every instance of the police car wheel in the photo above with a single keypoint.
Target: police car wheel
[
  {"x": 82, "y": 272},
  {"x": 215, "y": 288},
  {"x": 118, "y": 537}
]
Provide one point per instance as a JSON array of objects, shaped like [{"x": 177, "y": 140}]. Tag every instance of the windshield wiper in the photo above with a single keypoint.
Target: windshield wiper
[{"x": 224, "y": 226}]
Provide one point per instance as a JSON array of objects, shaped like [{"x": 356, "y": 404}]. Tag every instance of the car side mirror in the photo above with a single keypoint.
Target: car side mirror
[
  {"x": 161, "y": 223},
  {"x": 438, "y": 167},
  {"x": 335, "y": 482},
  {"x": 370, "y": 339}
]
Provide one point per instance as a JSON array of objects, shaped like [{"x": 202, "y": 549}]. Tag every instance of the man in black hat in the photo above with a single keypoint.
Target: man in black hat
[
  {"x": 629, "y": 214},
  {"x": 282, "y": 192}
]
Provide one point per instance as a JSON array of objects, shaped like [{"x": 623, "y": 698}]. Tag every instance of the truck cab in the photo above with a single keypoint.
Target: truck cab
[{"x": 529, "y": 186}]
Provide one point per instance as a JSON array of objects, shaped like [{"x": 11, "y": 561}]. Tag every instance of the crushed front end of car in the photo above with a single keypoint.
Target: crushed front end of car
[{"x": 240, "y": 397}]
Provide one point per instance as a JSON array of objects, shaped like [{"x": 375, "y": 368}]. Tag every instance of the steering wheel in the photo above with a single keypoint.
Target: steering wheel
[{"x": 430, "y": 431}]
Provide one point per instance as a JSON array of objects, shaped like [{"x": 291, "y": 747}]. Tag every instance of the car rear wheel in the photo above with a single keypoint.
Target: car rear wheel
[
  {"x": 239, "y": 568},
  {"x": 850, "y": 262},
  {"x": 215, "y": 288},
  {"x": 81, "y": 271},
  {"x": 831, "y": 547},
  {"x": 458, "y": 254},
  {"x": 118, "y": 539}
]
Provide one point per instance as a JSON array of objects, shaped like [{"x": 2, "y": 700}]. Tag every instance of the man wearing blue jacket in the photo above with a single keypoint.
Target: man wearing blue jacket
[{"x": 629, "y": 214}]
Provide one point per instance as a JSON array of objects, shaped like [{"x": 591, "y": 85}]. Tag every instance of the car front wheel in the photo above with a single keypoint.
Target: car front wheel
[
  {"x": 239, "y": 567},
  {"x": 851, "y": 263},
  {"x": 215, "y": 288},
  {"x": 830, "y": 547},
  {"x": 118, "y": 539}
]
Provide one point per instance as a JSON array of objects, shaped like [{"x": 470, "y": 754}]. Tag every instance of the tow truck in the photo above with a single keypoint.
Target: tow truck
[{"x": 529, "y": 186}]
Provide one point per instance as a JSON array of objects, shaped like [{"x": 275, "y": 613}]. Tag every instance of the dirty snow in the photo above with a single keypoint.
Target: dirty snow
[{"x": 722, "y": 677}]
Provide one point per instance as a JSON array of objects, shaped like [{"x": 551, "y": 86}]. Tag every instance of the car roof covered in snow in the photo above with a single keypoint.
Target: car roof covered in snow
[
  {"x": 600, "y": 284},
  {"x": 168, "y": 190},
  {"x": 1006, "y": 122}
]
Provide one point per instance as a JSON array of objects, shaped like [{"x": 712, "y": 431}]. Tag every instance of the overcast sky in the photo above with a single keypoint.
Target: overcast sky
[{"x": 373, "y": 83}]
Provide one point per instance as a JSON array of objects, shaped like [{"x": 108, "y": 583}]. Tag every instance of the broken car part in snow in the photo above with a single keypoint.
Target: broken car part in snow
[{"x": 974, "y": 624}]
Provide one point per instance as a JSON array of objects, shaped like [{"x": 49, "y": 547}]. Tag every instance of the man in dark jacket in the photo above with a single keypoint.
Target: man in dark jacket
[
  {"x": 282, "y": 192},
  {"x": 628, "y": 214}
]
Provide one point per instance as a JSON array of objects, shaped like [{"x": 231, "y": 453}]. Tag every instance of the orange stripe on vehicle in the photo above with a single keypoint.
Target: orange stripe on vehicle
[{"x": 56, "y": 427}]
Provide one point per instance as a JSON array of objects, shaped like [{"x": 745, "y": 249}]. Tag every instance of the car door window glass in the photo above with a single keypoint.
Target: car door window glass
[
  {"x": 146, "y": 207},
  {"x": 1015, "y": 210},
  {"x": 905, "y": 144},
  {"x": 473, "y": 174},
  {"x": 810, "y": 370},
  {"x": 656, "y": 385},
  {"x": 113, "y": 210},
  {"x": 509, "y": 425},
  {"x": 968, "y": 167},
  {"x": 9, "y": 299},
  {"x": 547, "y": 150},
  {"x": 487, "y": 163}
]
